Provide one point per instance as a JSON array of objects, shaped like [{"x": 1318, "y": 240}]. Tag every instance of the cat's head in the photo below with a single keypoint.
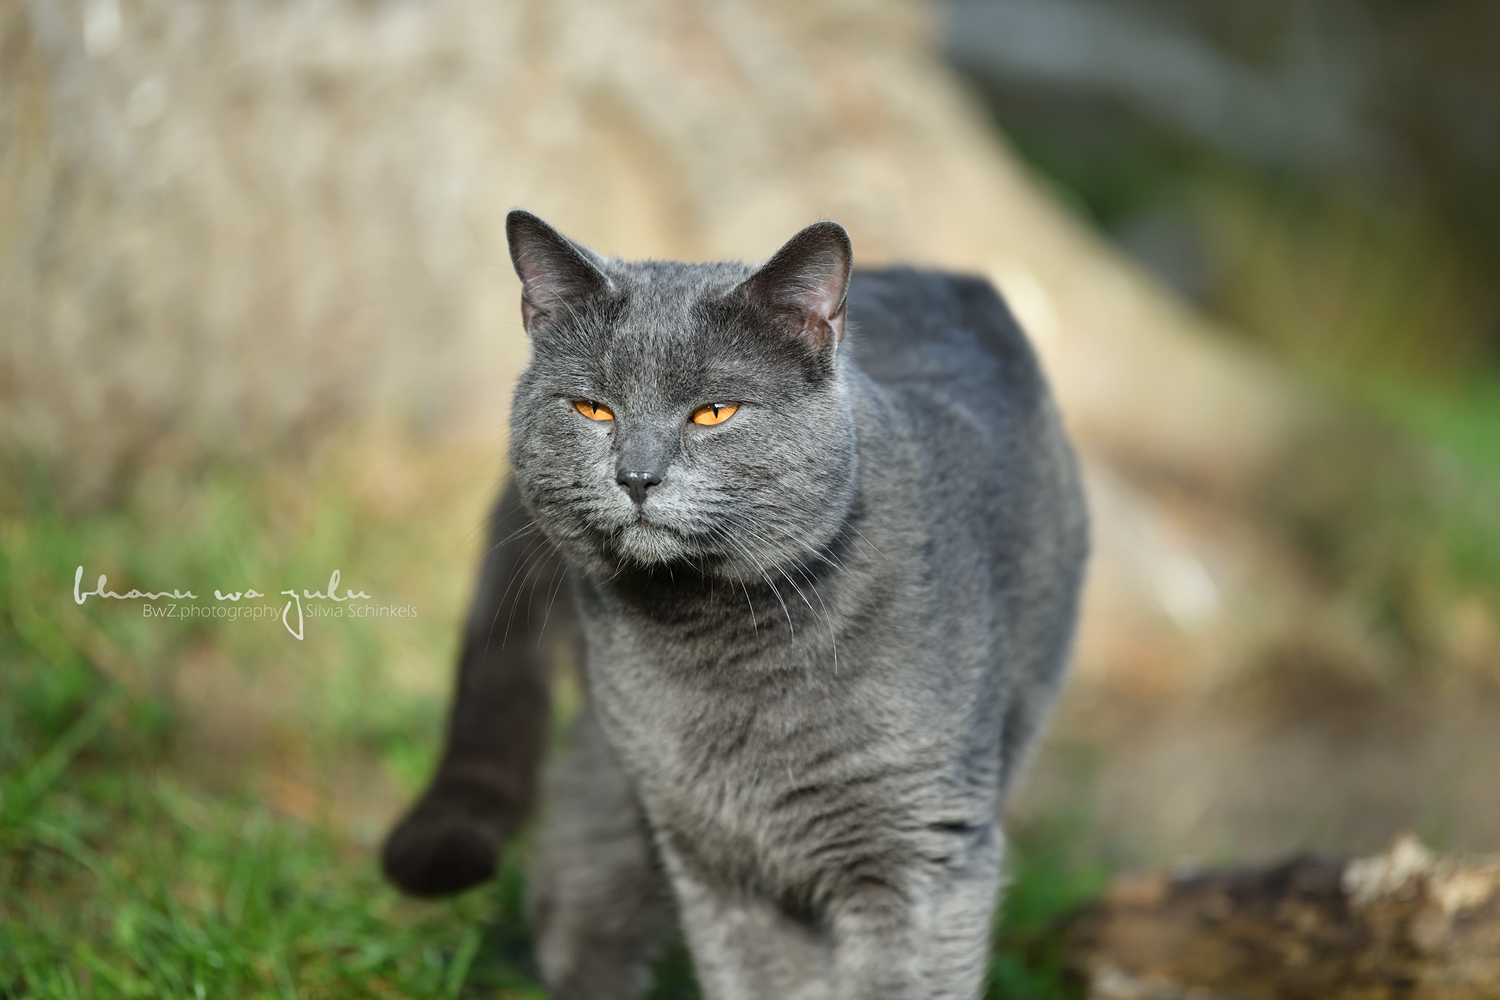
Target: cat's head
[{"x": 684, "y": 413}]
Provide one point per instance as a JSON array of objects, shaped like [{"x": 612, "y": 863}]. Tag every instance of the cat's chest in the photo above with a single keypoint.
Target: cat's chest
[
  {"x": 716, "y": 759},
  {"x": 679, "y": 718}
]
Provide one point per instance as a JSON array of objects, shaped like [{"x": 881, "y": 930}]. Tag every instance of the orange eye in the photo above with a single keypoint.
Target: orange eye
[
  {"x": 714, "y": 413},
  {"x": 593, "y": 410}
]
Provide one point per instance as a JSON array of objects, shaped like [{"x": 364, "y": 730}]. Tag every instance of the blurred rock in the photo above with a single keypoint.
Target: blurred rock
[
  {"x": 230, "y": 228},
  {"x": 1399, "y": 924}
]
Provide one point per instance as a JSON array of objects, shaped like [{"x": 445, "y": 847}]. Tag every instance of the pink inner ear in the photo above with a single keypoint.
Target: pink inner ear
[
  {"x": 824, "y": 294},
  {"x": 819, "y": 311},
  {"x": 528, "y": 310},
  {"x": 836, "y": 321},
  {"x": 820, "y": 301},
  {"x": 547, "y": 278},
  {"x": 541, "y": 291},
  {"x": 825, "y": 301}
]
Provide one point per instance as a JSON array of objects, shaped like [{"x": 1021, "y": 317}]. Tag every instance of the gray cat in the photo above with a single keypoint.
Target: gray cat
[{"x": 825, "y": 590}]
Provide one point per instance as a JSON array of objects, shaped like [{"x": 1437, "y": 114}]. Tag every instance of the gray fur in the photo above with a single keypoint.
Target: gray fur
[{"x": 816, "y": 653}]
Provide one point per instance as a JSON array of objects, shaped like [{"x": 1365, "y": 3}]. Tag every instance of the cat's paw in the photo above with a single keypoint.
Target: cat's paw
[{"x": 438, "y": 856}]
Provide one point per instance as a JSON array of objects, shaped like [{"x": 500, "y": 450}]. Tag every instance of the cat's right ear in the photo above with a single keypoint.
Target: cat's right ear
[{"x": 556, "y": 273}]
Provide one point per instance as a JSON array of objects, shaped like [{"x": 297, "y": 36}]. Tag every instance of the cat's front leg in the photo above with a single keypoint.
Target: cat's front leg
[
  {"x": 920, "y": 929},
  {"x": 746, "y": 947},
  {"x": 599, "y": 901}
]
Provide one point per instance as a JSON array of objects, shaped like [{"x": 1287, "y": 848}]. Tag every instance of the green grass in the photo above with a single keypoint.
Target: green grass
[
  {"x": 117, "y": 880},
  {"x": 118, "y": 876},
  {"x": 123, "y": 874},
  {"x": 133, "y": 886}
]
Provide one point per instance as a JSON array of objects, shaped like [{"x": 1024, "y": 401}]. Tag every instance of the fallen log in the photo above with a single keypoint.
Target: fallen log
[{"x": 1400, "y": 924}]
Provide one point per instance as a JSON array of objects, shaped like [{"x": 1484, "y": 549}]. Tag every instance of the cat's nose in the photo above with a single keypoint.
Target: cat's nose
[{"x": 637, "y": 482}]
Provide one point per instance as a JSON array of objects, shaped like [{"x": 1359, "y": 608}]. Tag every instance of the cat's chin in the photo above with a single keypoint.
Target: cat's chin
[{"x": 648, "y": 544}]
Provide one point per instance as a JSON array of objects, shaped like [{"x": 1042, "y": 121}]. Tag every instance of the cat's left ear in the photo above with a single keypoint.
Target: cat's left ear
[{"x": 805, "y": 284}]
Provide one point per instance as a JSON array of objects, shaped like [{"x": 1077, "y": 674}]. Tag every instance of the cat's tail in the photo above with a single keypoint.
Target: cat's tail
[{"x": 486, "y": 783}]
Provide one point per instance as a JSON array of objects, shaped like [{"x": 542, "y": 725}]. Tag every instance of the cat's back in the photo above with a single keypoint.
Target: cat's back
[
  {"x": 948, "y": 334},
  {"x": 972, "y": 439}
]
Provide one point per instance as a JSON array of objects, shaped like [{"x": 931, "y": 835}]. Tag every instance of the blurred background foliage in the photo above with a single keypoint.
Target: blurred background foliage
[
  {"x": 1320, "y": 175},
  {"x": 256, "y": 323},
  {"x": 1322, "y": 178}
]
